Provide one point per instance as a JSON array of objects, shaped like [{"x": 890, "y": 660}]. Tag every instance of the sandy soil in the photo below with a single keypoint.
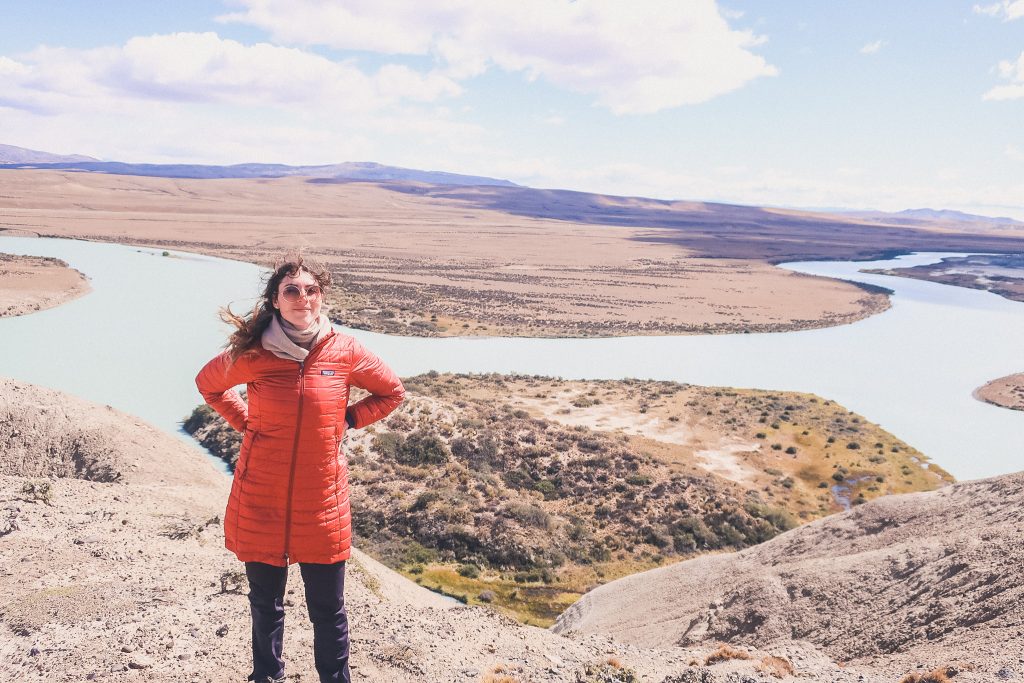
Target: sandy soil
[
  {"x": 415, "y": 259},
  {"x": 114, "y": 569},
  {"x": 902, "y": 584},
  {"x": 1007, "y": 392},
  {"x": 31, "y": 283}
]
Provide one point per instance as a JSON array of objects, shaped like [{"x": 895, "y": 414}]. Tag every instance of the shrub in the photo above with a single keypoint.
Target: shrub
[
  {"x": 422, "y": 448},
  {"x": 470, "y": 571},
  {"x": 518, "y": 479},
  {"x": 791, "y": 450},
  {"x": 37, "y": 491},
  {"x": 423, "y": 500},
  {"x": 778, "y": 667},
  {"x": 387, "y": 444},
  {"x": 547, "y": 488},
  {"x": 724, "y": 653},
  {"x": 400, "y": 422},
  {"x": 528, "y": 514},
  {"x": 853, "y": 446}
]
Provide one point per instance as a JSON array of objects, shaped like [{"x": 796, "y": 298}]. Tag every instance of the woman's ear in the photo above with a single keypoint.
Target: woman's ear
[{"x": 273, "y": 302}]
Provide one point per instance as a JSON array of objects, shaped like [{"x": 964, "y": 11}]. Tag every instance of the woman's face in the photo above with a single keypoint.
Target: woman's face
[{"x": 298, "y": 298}]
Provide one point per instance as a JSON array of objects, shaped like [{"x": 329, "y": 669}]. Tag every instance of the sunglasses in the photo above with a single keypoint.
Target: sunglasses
[{"x": 294, "y": 292}]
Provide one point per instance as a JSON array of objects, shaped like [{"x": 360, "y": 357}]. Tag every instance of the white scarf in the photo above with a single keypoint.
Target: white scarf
[{"x": 283, "y": 340}]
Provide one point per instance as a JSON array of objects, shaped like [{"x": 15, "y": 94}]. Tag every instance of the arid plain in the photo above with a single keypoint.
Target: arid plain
[
  {"x": 441, "y": 260},
  {"x": 419, "y": 259}
]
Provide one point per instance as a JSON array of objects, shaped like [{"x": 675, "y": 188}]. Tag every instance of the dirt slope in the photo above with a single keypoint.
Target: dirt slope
[
  {"x": 113, "y": 568},
  {"x": 901, "y": 582}
]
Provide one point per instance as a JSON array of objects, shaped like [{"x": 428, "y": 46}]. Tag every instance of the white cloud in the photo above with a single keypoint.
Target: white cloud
[
  {"x": 1012, "y": 71},
  {"x": 204, "y": 68},
  {"x": 872, "y": 48},
  {"x": 552, "y": 120},
  {"x": 1007, "y": 9},
  {"x": 637, "y": 58},
  {"x": 1015, "y": 153}
]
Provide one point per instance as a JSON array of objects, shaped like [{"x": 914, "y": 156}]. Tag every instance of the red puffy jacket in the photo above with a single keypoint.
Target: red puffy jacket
[{"x": 289, "y": 497}]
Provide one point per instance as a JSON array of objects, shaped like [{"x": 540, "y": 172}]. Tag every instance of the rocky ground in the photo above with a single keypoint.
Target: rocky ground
[
  {"x": 904, "y": 584},
  {"x": 34, "y": 283},
  {"x": 114, "y": 570},
  {"x": 1007, "y": 392}
]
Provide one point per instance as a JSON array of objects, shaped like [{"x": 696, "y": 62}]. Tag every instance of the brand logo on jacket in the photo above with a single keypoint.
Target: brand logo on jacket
[{"x": 329, "y": 373}]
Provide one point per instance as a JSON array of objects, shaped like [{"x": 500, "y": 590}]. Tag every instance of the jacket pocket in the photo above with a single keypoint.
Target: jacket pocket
[{"x": 242, "y": 465}]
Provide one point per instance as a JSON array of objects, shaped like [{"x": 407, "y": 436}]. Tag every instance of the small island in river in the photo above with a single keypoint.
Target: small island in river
[
  {"x": 1001, "y": 274},
  {"x": 1006, "y": 392},
  {"x": 33, "y": 283}
]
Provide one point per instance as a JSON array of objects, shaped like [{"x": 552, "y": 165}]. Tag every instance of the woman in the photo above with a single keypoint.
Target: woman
[{"x": 289, "y": 498}]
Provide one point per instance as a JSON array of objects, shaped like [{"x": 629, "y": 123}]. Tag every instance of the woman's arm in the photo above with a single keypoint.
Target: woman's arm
[
  {"x": 216, "y": 382},
  {"x": 386, "y": 391}
]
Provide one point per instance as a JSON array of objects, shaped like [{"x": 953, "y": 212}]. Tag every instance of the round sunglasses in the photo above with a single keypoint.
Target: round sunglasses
[{"x": 294, "y": 292}]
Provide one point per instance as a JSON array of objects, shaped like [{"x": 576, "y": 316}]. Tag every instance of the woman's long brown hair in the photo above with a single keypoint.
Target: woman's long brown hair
[{"x": 249, "y": 329}]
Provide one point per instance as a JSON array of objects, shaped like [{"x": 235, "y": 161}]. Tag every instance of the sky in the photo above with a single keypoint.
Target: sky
[{"x": 859, "y": 105}]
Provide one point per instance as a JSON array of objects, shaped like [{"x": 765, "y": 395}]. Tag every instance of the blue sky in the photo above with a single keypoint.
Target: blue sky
[{"x": 800, "y": 103}]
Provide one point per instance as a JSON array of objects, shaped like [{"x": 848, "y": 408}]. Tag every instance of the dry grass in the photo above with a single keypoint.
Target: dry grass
[
  {"x": 779, "y": 667},
  {"x": 725, "y": 653},
  {"x": 498, "y": 673},
  {"x": 498, "y": 678},
  {"x": 941, "y": 674}
]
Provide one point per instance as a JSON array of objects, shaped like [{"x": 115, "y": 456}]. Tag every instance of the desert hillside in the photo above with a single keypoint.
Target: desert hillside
[
  {"x": 906, "y": 583},
  {"x": 114, "y": 570}
]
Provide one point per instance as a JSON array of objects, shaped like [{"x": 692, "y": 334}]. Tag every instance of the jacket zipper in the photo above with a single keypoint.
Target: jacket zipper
[
  {"x": 295, "y": 451},
  {"x": 291, "y": 470}
]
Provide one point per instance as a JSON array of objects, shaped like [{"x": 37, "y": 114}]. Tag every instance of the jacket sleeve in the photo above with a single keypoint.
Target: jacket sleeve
[
  {"x": 386, "y": 391},
  {"x": 216, "y": 382}
]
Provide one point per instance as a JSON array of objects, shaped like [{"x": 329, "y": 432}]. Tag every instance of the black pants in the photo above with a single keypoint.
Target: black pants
[{"x": 325, "y": 598}]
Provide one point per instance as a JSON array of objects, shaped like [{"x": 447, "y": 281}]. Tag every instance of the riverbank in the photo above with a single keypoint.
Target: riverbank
[
  {"x": 418, "y": 260},
  {"x": 34, "y": 283},
  {"x": 1006, "y": 392},
  {"x": 525, "y": 492},
  {"x": 116, "y": 571}
]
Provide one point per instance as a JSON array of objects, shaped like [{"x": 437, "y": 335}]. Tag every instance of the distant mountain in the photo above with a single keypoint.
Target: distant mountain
[
  {"x": 955, "y": 216},
  {"x": 924, "y": 216},
  {"x": 9, "y": 154},
  {"x": 16, "y": 157}
]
